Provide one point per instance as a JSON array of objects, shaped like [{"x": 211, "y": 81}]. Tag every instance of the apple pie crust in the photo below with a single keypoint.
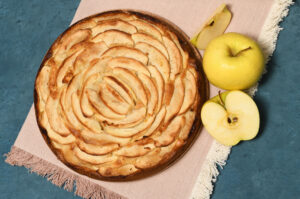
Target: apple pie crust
[{"x": 118, "y": 95}]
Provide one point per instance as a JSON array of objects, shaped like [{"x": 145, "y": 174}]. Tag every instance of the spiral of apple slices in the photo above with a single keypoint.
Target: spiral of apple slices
[{"x": 117, "y": 95}]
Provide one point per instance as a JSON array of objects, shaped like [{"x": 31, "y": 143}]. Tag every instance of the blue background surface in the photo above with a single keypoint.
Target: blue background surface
[{"x": 267, "y": 167}]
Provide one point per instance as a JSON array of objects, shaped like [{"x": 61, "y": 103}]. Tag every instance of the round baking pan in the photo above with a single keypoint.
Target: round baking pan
[{"x": 202, "y": 84}]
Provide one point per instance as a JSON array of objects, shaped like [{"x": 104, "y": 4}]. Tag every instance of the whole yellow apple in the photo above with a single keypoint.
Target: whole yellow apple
[{"x": 233, "y": 61}]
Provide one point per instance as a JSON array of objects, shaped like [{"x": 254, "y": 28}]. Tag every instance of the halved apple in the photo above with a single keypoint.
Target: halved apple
[
  {"x": 215, "y": 26},
  {"x": 231, "y": 117}
]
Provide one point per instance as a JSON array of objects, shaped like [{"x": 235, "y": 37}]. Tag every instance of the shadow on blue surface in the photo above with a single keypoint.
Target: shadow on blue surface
[{"x": 268, "y": 167}]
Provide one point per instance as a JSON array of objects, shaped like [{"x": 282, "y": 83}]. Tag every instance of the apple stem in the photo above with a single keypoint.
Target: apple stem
[
  {"x": 242, "y": 51},
  {"x": 222, "y": 103}
]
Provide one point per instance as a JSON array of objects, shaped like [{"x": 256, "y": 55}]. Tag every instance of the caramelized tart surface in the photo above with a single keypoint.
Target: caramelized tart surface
[{"x": 118, "y": 93}]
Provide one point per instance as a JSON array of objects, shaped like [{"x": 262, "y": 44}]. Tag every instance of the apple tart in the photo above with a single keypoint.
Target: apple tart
[{"x": 118, "y": 95}]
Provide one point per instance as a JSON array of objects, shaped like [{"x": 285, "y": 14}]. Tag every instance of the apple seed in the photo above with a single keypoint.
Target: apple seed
[
  {"x": 233, "y": 120},
  {"x": 229, "y": 120}
]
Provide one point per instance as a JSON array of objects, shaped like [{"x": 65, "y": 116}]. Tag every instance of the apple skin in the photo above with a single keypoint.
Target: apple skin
[
  {"x": 215, "y": 114},
  {"x": 216, "y": 99},
  {"x": 229, "y": 63}
]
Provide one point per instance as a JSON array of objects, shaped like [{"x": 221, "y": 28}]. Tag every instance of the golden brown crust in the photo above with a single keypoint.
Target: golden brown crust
[{"x": 113, "y": 122}]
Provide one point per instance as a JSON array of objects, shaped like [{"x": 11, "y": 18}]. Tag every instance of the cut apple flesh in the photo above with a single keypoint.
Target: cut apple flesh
[
  {"x": 238, "y": 120},
  {"x": 213, "y": 27}
]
